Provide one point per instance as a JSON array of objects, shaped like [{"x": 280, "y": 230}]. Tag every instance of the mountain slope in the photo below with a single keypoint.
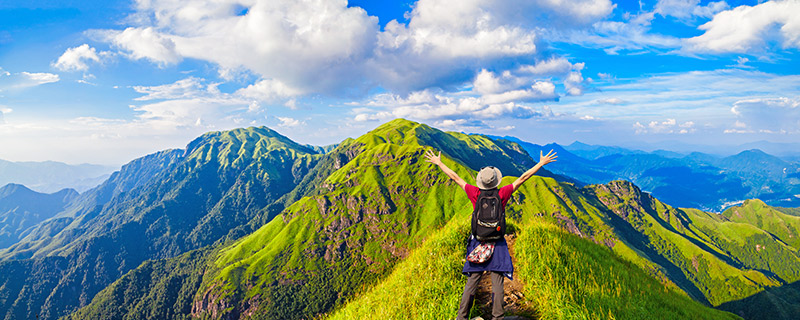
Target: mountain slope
[
  {"x": 698, "y": 249},
  {"x": 22, "y": 208},
  {"x": 156, "y": 207}
]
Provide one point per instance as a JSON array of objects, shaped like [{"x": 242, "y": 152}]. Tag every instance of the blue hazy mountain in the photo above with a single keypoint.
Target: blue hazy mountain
[
  {"x": 696, "y": 180},
  {"x": 51, "y": 176}
]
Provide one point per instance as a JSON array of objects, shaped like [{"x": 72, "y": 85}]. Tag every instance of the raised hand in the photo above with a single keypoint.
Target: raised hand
[
  {"x": 433, "y": 158},
  {"x": 545, "y": 159}
]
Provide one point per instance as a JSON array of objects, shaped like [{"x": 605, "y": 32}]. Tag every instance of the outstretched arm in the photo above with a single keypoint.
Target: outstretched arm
[
  {"x": 543, "y": 160},
  {"x": 437, "y": 160}
]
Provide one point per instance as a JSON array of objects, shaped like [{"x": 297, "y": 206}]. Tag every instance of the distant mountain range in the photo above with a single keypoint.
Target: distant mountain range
[
  {"x": 695, "y": 180},
  {"x": 247, "y": 224},
  {"x": 51, "y": 176},
  {"x": 786, "y": 151}
]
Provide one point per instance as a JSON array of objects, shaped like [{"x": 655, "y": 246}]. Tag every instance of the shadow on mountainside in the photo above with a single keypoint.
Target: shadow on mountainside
[
  {"x": 775, "y": 303},
  {"x": 516, "y": 306}
]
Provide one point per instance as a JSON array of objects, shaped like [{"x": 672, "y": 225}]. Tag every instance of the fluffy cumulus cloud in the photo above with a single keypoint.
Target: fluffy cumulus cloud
[
  {"x": 77, "y": 58},
  {"x": 145, "y": 43},
  {"x": 269, "y": 91},
  {"x": 767, "y": 115},
  {"x": 308, "y": 47},
  {"x": 493, "y": 96},
  {"x": 287, "y": 122},
  {"x": 747, "y": 29},
  {"x": 316, "y": 46},
  {"x": 445, "y": 109},
  {"x": 443, "y": 44},
  {"x": 475, "y": 61},
  {"x": 22, "y": 80},
  {"x": 758, "y": 29}
]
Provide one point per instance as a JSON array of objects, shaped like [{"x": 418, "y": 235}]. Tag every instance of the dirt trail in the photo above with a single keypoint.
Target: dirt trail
[{"x": 516, "y": 306}]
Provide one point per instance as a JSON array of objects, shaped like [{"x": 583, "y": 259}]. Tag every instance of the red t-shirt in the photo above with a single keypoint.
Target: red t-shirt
[{"x": 473, "y": 192}]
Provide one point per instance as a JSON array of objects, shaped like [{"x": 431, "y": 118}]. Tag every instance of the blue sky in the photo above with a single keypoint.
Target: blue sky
[{"x": 108, "y": 81}]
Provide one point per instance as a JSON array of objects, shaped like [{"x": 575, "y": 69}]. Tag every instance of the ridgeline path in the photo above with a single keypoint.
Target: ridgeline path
[{"x": 516, "y": 306}]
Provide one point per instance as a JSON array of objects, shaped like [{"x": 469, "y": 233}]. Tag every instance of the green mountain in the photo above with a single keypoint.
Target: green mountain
[
  {"x": 373, "y": 231},
  {"x": 155, "y": 207},
  {"x": 22, "y": 208}
]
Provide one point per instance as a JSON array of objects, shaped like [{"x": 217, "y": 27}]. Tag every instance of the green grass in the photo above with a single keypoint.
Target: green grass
[
  {"x": 425, "y": 285},
  {"x": 571, "y": 278},
  {"x": 757, "y": 213},
  {"x": 566, "y": 278}
]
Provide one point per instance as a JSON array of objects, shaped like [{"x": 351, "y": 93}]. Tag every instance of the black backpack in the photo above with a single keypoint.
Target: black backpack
[{"x": 489, "y": 217}]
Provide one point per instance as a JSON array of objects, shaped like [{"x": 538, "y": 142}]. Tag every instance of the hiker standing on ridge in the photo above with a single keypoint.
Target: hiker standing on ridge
[{"x": 487, "y": 249}]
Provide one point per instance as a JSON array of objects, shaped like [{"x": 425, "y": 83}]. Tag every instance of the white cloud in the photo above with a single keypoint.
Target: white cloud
[
  {"x": 146, "y": 43},
  {"x": 523, "y": 83},
  {"x": 687, "y": 9},
  {"x": 447, "y": 108},
  {"x": 611, "y": 101},
  {"x": 327, "y": 47},
  {"x": 509, "y": 109},
  {"x": 287, "y": 122},
  {"x": 75, "y": 59},
  {"x": 668, "y": 126},
  {"x": 318, "y": 46},
  {"x": 37, "y": 78},
  {"x": 616, "y": 36},
  {"x": 770, "y": 114},
  {"x": 552, "y": 66},
  {"x": 442, "y": 41},
  {"x": 269, "y": 90},
  {"x": 22, "y": 80},
  {"x": 574, "y": 83},
  {"x": 700, "y": 96},
  {"x": 747, "y": 29},
  {"x": 185, "y": 88},
  {"x": 486, "y": 82},
  {"x": 539, "y": 91},
  {"x": 460, "y": 124},
  {"x": 192, "y": 102}
]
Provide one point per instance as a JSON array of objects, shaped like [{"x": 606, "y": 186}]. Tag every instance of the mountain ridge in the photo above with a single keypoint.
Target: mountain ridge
[
  {"x": 158, "y": 206},
  {"x": 315, "y": 250},
  {"x": 321, "y": 243}
]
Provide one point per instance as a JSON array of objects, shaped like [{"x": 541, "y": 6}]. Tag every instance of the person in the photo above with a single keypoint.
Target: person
[{"x": 499, "y": 265}]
